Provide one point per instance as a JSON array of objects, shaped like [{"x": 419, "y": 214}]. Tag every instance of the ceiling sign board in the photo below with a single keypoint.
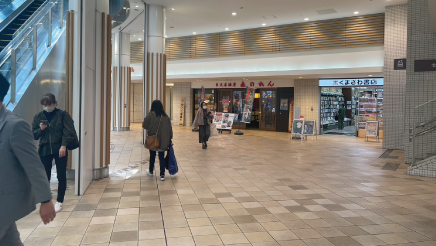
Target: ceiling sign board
[
  {"x": 351, "y": 82},
  {"x": 400, "y": 64},
  {"x": 425, "y": 65}
]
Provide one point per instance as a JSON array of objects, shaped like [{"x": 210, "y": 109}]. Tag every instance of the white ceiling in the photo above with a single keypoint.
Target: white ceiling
[{"x": 211, "y": 16}]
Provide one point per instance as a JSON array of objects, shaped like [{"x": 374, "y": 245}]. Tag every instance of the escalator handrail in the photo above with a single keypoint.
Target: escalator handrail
[
  {"x": 16, "y": 11},
  {"x": 20, "y": 34},
  {"x": 36, "y": 17}
]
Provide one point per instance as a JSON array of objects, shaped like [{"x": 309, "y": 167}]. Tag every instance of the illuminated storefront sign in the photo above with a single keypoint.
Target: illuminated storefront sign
[{"x": 351, "y": 82}]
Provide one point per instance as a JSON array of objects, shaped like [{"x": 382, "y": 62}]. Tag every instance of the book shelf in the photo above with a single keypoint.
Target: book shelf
[
  {"x": 371, "y": 109},
  {"x": 330, "y": 104}
]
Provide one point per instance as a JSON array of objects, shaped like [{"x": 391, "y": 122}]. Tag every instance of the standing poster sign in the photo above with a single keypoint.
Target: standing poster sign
[
  {"x": 371, "y": 130},
  {"x": 224, "y": 121},
  {"x": 182, "y": 112},
  {"x": 309, "y": 127},
  {"x": 297, "y": 128},
  {"x": 248, "y": 107},
  {"x": 304, "y": 128},
  {"x": 291, "y": 114}
]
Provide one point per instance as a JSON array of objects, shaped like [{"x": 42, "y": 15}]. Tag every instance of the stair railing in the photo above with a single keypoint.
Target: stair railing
[
  {"x": 30, "y": 46},
  {"x": 423, "y": 131}
]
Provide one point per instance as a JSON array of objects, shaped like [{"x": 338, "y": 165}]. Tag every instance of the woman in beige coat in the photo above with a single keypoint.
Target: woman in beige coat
[
  {"x": 203, "y": 120},
  {"x": 158, "y": 122}
]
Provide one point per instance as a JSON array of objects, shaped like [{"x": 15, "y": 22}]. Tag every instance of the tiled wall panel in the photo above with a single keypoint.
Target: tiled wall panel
[
  {"x": 420, "y": 86},
  {"x": 395, "y": 80},
  {"x": 182, "y": 89},
  {"x": 306, "y": 97}
]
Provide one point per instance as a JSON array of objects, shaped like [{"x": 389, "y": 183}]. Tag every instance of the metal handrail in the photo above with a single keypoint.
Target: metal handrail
[
  {"x": 414, "y": 133},
  {"x": 20, "y": 34},
  {"x": 433, "y": 100},
  {"x": 426, "y": 123},
  {"x": 431, "y": 129},
  {"x": 40, "y": 13}
]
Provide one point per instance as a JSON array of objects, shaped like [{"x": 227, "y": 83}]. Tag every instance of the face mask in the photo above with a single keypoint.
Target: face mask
[
  {"x": 204, "y": 107},
  {"x": 49, "y": 109}
]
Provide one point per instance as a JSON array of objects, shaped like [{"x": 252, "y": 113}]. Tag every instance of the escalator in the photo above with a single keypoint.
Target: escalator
[
  {"x": 7, "y": 34},
  {"x": 32, "y": 51}
]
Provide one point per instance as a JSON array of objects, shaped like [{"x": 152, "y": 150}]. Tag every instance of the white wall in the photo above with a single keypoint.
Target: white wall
[
  {"x": 87, "y": 86},
  {"x": 337, "y": 61}
]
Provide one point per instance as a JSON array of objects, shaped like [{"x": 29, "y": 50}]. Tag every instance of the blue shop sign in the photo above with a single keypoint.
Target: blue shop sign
[{"x": 351, "y": 82}]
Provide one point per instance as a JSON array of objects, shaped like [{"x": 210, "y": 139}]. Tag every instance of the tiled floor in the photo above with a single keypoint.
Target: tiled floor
[{"x": 259, "y": 189}]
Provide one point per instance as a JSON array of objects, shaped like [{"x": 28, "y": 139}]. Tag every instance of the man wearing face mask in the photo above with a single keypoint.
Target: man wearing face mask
[{"x": 54, "y": 129}]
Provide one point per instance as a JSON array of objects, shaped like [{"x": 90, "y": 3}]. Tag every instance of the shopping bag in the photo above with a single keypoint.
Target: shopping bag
[
  {"x": 171, "y": 162},
  {"x": 213, "y": 130}
]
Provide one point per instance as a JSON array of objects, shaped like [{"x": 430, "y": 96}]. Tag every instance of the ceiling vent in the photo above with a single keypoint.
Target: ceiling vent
[
  {"x": 269, "y": 17},
  {"x": 326, "y": 11}
]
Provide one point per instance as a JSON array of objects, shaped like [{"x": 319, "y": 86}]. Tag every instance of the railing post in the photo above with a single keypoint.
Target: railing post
[
  {"x": 413, "y": 143},
  {"x": 13, "y": 75},
  {"x": 50, "y": 26},
  {"x": 61, "y": 14},
  {"x": 35, "y": 46}
]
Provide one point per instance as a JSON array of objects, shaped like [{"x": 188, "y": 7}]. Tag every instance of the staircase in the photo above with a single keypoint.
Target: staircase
[{"x": 423, "y": 140}]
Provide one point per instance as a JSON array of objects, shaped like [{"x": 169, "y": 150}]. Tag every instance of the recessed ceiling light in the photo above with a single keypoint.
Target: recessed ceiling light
[
  {"x": 124, "y": 8},
  {"x": 234, "y": 13},
  {"x": 301, "y": 77},
  {"x": 264, "y": 24},
  {"x": 227, "y": 28},
  {"x": 137, "y": 6},
  {"x": 194, "y": 33},
  {"x": 356, "y": 12},
  {"x": 306, "y": 19},
  {"x": 173, "y": 9},
  {"x": 370, "y": 75}
]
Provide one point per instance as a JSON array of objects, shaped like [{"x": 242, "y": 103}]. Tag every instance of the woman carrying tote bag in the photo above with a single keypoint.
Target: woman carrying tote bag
[{"x": 159, "y": 135}]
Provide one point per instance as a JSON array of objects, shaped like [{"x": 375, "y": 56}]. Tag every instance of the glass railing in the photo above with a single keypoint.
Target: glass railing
[
  {"x": 21, "y": 59},
  {"x": 7, "y": 7}
]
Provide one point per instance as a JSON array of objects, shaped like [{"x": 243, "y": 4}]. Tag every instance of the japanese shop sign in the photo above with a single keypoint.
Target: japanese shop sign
[
  {"x": 351, "y": 82},
  {"x": 244, "y": 84}
]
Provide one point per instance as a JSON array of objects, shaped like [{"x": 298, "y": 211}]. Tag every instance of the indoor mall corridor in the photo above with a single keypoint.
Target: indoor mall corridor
[{"x": 258, "y": 189}]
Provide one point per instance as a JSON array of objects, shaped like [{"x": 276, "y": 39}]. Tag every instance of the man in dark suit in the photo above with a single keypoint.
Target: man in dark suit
[{"x": 23, "y": 182}]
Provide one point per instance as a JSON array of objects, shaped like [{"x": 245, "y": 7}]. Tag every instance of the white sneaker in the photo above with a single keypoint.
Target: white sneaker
[
  {"x": 162, "y": 178},
  {"x": 148, "y": 172},
  {"x": 58, "y": 207}
]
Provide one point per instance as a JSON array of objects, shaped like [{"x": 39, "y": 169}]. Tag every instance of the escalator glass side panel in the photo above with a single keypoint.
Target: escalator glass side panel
[{"x": 8, "y": 7}]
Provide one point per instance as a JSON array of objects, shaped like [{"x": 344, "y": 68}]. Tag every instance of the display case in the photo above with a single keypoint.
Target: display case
[
  {"x": 371, "y": 109},
  {"x": 330, "y": 104}
]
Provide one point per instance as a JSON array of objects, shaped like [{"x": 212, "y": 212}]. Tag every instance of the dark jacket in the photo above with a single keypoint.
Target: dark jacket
[
  {"x": 341, "y": 113},
  {"x": 151, "y": 123},
  {"x": 59, "y": 133}
]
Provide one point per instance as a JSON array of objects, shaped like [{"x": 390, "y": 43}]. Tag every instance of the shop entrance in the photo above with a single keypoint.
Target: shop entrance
[
  {"x": 361, "y": 104},
  {"x": 268, "y": 109}
]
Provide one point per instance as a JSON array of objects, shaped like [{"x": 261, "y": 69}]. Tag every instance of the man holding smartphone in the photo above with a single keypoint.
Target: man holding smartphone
[
  {"x": 23, "y": 183},
  {"x": 54, "y": 129}
]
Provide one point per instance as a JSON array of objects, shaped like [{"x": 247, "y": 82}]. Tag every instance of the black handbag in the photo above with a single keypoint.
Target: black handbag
[{"x": 73, "y": 144}]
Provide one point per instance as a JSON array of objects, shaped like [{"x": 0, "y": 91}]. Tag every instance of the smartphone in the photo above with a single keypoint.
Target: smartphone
[{"x": 44, "y": 122}]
